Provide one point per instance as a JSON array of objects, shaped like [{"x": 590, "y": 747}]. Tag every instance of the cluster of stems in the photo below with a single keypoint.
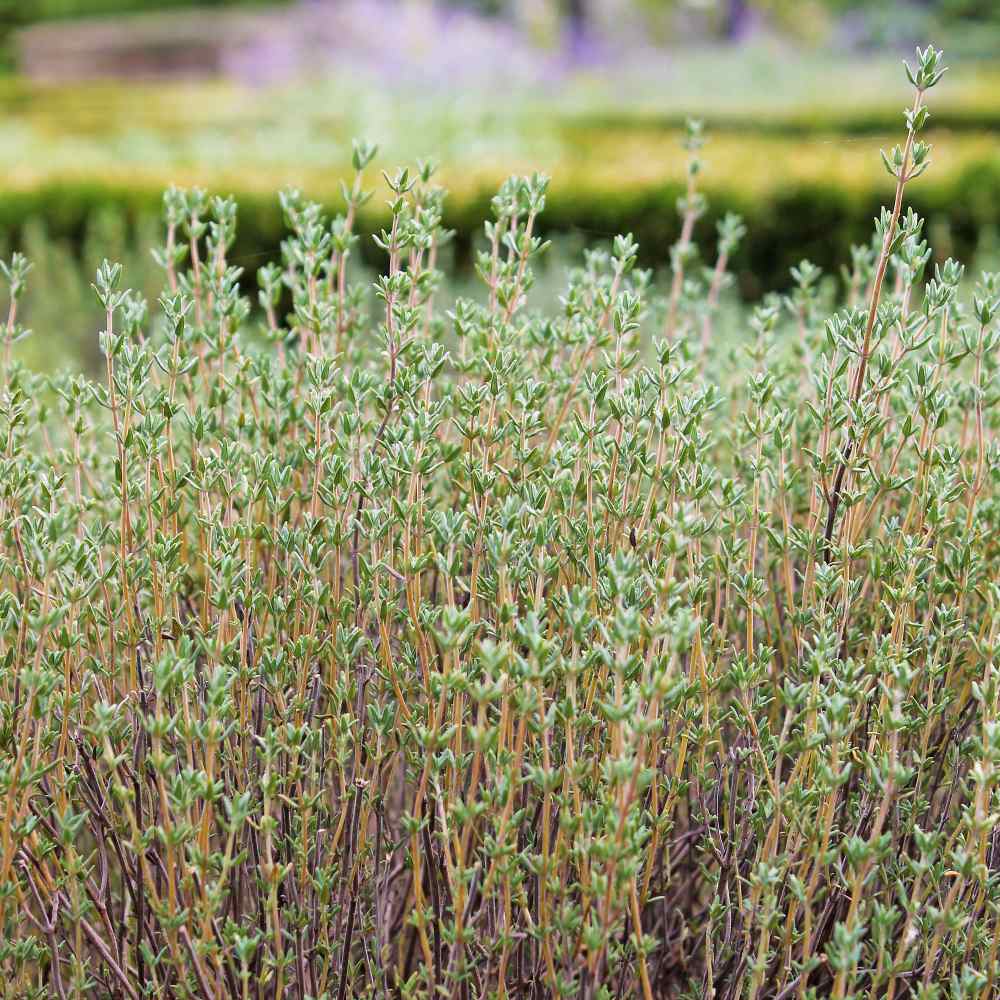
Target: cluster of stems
[{"x": 373, "y": 642}]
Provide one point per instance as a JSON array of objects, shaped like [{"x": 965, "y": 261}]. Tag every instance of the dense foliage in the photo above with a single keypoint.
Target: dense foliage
[
  {"x": 17, "y": 12},
  {"x": 583, "y": 653}
]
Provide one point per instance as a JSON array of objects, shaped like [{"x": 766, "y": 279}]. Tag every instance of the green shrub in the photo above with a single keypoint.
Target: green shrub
[
  {"x": 353, "y": 646},
  {"x": 17, "y": 12},
  {"x": 816, "y": 219}
]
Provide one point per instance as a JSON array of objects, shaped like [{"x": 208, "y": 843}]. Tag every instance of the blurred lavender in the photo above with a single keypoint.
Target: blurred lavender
[
  {"x": 433, "y": 45},
  {"x": 449, "y": 52},
  {"x": 438, "y": 46}
]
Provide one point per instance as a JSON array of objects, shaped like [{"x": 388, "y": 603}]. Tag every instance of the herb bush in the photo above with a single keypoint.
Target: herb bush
[{"x": 394, "y": 653}]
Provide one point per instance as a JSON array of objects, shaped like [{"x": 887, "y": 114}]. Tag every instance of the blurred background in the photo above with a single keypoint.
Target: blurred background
[{"x": 105, "y": 102}]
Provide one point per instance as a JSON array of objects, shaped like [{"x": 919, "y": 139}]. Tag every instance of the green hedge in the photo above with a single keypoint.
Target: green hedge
[
  {"x": 15, "y": 14},
  {"x": 801, "y": 220},
  {"x": 874, "y": 120},
  {"x": 18, "y": 12}
]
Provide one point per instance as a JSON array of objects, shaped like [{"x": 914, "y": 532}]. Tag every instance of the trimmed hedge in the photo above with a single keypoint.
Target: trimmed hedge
[
  {"x": 802, "y": 219},
  {"x": 863, "y": 121},
  {"x": 17, "y": 12}
]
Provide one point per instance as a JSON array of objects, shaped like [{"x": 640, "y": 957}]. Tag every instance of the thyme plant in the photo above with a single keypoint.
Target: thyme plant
[{"x": 354, "y": 646}]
